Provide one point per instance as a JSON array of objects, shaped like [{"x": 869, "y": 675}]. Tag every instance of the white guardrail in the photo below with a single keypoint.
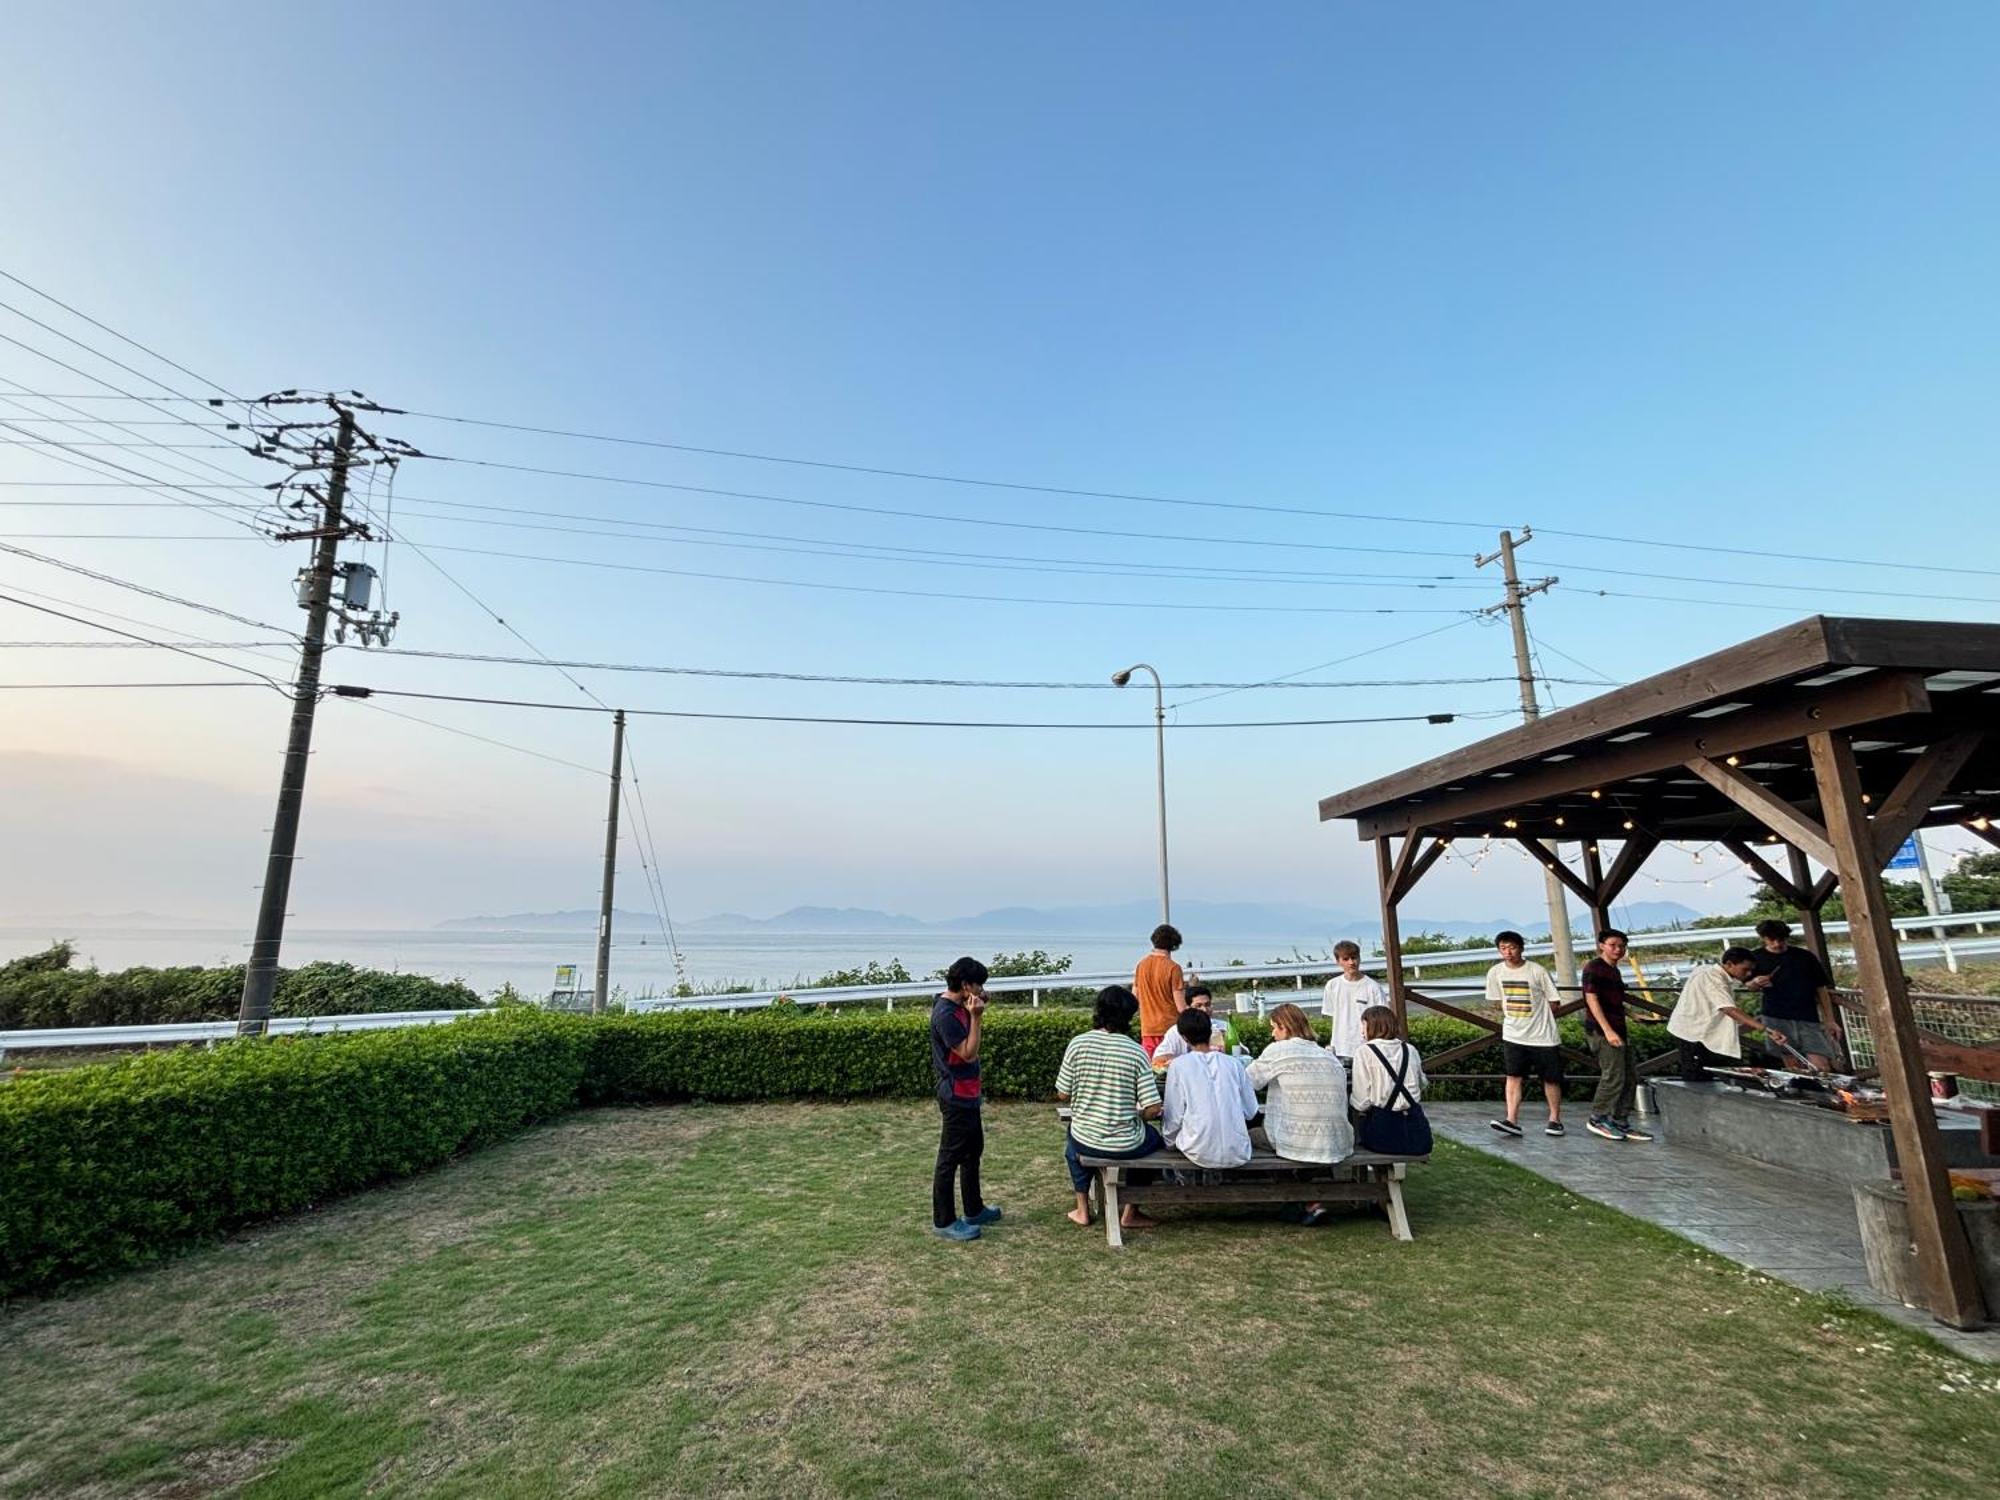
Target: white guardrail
[{"x": 1034, "y": 986}]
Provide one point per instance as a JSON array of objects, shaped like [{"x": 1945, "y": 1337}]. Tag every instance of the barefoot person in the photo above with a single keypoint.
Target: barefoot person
[
  {"x": 955, "y": 1038},
  {"x": 1108, "y": 1084}
]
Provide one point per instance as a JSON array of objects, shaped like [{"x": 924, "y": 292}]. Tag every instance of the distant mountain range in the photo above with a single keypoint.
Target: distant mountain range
[{"x": 1199, "y": 919}]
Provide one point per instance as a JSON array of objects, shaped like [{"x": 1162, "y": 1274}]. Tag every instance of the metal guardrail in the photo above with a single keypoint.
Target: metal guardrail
[
  {"x": 1414, "y": 965},
  {"x": 217, "y": 1031},
  {"x": 1034, "y": 986}
]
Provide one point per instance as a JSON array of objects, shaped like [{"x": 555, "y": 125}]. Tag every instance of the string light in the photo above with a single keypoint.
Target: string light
[
  {"x": 1982, "y": 823},
  {"x": 1512, "y": 823},
  {"x": 1733, "y": 760},
  {"x": 1628, "y": 825},
  {"x": 1595, "y": 794},
  {"x": 1559, "y": 821}
]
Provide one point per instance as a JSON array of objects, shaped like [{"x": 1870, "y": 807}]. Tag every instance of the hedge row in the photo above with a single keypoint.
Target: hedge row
[
  {"x": 35, "y": 998},
  {"x": 107, "y": 1166}
]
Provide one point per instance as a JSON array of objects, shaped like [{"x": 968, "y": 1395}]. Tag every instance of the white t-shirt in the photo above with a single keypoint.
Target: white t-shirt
[
  {"x": 1305, "y": 1100},
  {"x": 1375, "y": 1085},
  {"x": 1345, "y": 1000},
  {"x": 1174, "y": 1045},
  {"x": 1209, "y": 1106},
  {"x": 1526, "y": 998},
  {"x": 1698, "y": 1013}
]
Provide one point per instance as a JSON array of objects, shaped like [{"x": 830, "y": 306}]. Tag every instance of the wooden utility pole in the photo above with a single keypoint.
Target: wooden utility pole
[
  {"x": 1531, "y": 710},
  {"x": 260, "y": 977},
  {"x": 603, "y": 989}
]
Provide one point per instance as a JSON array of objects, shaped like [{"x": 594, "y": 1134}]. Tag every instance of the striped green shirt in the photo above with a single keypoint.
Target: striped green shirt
[{"x": 1108, "y": 1080}]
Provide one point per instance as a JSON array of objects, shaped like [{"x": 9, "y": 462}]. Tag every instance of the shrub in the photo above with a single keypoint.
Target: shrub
[
  {"x": 105, "y": 1167},
  {"x": 48, "y": 997}
]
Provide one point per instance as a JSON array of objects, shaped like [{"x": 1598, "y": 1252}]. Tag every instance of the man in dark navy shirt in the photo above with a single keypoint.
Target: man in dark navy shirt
[
  {"x": 1794, "y": 984},
  {"x": 955, "y": 1039}
]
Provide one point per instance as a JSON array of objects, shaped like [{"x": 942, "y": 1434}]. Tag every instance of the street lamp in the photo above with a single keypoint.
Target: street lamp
[{"x": 1120, "y": 679}]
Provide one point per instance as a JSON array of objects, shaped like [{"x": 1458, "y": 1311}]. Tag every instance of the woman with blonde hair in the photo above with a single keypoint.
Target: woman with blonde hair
[
  {"x": 1388, "y": 1088},
  {"x": 1305, "y": 1092}
]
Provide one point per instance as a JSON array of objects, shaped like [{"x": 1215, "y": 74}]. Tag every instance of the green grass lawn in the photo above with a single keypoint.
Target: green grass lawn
[{"x": 744, "y": 1301}]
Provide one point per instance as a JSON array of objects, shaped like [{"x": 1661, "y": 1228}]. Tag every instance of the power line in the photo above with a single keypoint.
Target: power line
[
  {"x": 28, "y": 687},
  {"x": 355, "y": 691},
  {"x": 122, "y": 338},
  {"x": 856, "y": 588},
  {"x": 140, "y": 588},
  {"x": 1322, "y": 666},
  {"x": 134, "y": 645},
  {"x": 394, "y": 713},
  {"x": 213, "y": 661}
]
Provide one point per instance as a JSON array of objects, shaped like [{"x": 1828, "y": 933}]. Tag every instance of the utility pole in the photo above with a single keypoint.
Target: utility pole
[
  {"x": 1937, "y": 901},
  {"x": 603, "y": 990},
  {"x": 307, "y": 451},
  {"x": 260, "y": 978},
  {"x": 1531, "y": 710}
]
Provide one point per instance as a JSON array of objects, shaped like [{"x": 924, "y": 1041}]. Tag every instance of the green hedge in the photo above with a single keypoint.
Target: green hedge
[
  {"x": 107, "y": 1166},
  {"x": 34, "y": 998},
  {"x": 104, "y": 1167}
]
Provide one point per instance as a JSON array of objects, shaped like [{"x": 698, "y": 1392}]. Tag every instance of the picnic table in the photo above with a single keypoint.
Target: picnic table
[{"x": 1362, "y": 1177}]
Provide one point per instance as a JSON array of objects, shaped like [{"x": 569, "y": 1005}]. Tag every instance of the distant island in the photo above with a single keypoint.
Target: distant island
[{"x": 1199, "y": 919}]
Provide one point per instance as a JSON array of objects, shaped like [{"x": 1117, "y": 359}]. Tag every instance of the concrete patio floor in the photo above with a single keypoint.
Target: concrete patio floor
[{"x": 1790, "y": 1227}]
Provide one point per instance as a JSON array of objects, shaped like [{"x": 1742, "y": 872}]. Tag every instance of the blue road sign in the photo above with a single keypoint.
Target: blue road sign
[{"x": 1905, "y": 858}]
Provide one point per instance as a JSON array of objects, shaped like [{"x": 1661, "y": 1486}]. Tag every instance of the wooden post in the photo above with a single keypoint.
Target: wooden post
[
  {"x": 1814, "y": 931},
  {"x": 1392, "y": 933},
  {"x": 1593, "y": 876},
  {"x": 1944, "y": 1259}
]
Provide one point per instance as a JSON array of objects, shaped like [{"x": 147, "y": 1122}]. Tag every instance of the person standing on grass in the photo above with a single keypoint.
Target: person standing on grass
[
  {"x": 1348, "y": 994},
  {"x": 1798, "y": 993},
  {"x": 1706, "y": 1016},
  {"x": 1526, "y": 998},
  {"x": 1107, "y": 1081},
  {"x": 1209, "y": 1103},
  {"x": 1161, "y": 988},
  {"x": 1174, "y": 1044},
  {"x": 955, "y": 1045},
  {"x": 1605, "y": 1027}
]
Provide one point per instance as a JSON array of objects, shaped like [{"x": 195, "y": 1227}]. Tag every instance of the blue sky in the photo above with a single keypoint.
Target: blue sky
[{"x": 1705, "y": 275}]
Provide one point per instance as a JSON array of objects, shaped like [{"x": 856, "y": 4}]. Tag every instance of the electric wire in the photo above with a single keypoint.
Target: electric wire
[
  {"x": 1322, "y": 666},
  {"x": 141, "y": 588},
  {"x": 213, "y": 661},
  {"x": 357, "y": 690}
]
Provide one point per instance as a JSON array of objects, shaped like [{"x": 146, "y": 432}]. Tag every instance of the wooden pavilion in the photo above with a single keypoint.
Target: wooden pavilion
[{"x": 1827, "y": 742}]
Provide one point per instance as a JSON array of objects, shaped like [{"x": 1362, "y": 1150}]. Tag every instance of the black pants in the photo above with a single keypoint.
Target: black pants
[
  {"x": 960, "y": 1145},
  {"x": 1696, "y": 1060}
]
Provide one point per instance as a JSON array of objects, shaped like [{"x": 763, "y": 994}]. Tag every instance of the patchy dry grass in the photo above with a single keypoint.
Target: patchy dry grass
[{"x": 744, "y": 1302}]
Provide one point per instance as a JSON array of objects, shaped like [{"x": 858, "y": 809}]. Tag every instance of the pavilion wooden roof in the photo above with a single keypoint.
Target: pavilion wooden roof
[{"x": 1648, "y": 756}]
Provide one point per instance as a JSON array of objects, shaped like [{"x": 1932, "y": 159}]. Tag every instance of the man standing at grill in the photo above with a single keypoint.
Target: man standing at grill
[
  {"x": 1797, "y": 993},
  {"x": 955, "y": 1039}
]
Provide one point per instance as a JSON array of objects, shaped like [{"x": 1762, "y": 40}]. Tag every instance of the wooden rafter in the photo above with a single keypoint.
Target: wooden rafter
[
  {"x": 1767, "y": 807},
  {"x": 1635, "y": 851},
  {"x": 1767, "y": 871},
  {"x": 1420, "y": 867},
  {"x": 1927, "y": 779},
  {"x": 1553, "y": 863}
]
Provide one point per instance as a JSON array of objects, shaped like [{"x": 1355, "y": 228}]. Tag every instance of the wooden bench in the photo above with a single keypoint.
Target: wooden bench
[{"x": 1363, "y": 1177}]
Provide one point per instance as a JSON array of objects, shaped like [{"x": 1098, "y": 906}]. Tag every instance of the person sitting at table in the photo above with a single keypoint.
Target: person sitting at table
[
  {"x": 1388, "y": 1089},
  {"x": 1221, "y": 1034},
  {"x": 1305, "y": 1092},
  {"x": 1209, "y": 1103},
  {"x": 1706, "y": 1016},
  {"x": 1107, "y": 1081}
]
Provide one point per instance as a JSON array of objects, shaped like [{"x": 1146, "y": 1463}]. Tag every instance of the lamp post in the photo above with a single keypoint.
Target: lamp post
[{"x": 1120, "y": 679}]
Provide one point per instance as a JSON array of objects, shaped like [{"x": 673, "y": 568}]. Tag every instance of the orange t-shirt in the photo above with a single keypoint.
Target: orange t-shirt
[{"x": 1154, "y": 982}]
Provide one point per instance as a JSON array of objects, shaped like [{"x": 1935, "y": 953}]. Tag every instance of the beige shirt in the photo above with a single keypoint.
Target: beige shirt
[
  {"x": 1375, "y": 1085},
  {"x": 1698, "y": 1013}
]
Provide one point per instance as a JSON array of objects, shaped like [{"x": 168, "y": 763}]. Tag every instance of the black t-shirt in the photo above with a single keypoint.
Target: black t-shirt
[
  {"x": 957, "y": 1080},
  {"x": 1607, "y": 982},
  {"x": 1797, "y": 977}
]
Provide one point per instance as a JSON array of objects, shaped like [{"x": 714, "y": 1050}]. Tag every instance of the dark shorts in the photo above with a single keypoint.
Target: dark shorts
[{"x": 1545, "y": 1063}]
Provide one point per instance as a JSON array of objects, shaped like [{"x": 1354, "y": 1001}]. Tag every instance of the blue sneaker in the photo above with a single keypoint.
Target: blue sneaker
[
  {"x": 987, "y": 1215},
  {"x": 1596, "y": 1125},
  {"x": 958, "y": 1229}
]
